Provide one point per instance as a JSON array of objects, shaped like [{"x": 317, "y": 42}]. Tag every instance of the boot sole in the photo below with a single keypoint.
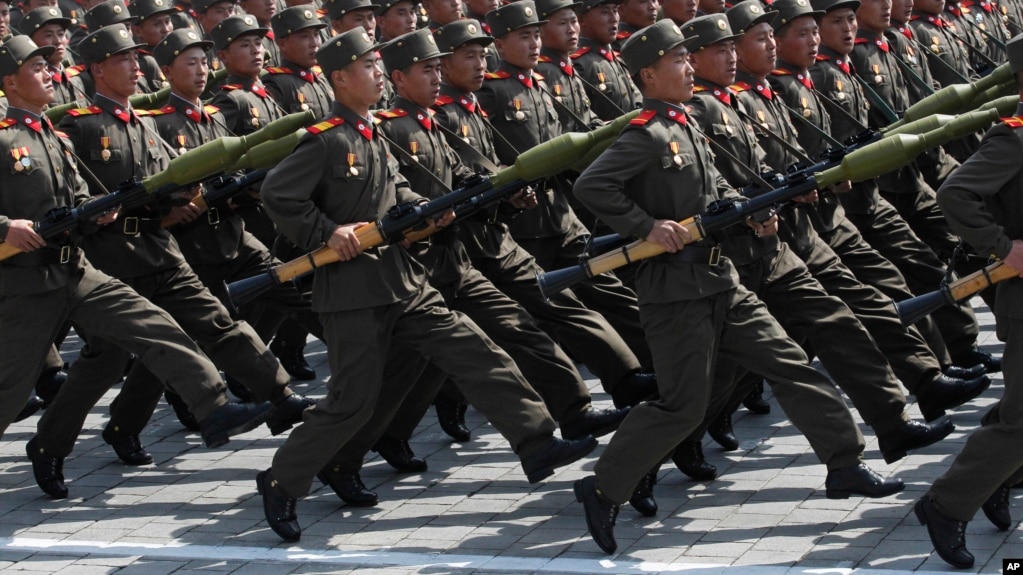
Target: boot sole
[
  {"x": 351, "y": 502},
  {"x": 846, "y": 493}
]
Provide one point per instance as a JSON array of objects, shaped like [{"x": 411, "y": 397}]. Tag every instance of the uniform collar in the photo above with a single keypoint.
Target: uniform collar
[
  {"x": 866, "y": 36},
  {"x": 188, "y": 109},
  {"x": 564, "y": 64},
  {"x": 115, "y": 109},
  {"x": 802, "y": 76},
  {"x": 604, "y": 50},
  {"x": 308, "y": 74},
  {"x": 420, "y": 114},
  {"x": 364, "y": 126},
  {"x": 672, "y": 112},
  {"x": 842, "y": 62},
  {"x": 26, "y": 118},
  {"x": 467, "y": 101},
  {"x": 720, "y": 92},
  {"x": 525, "y": 77},
  {"x": 250, "y": 85}
]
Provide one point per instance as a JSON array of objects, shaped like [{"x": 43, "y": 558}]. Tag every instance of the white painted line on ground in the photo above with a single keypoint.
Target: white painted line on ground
[{"x": 298, "y": 555}]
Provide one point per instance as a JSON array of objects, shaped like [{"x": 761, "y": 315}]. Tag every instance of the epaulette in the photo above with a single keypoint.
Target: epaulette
[
  {"x": 498, "y": 75},
  {"x": 538, "y": 76},
  {"x": 740, "y": 87},
  {"x": 141, "y": 112},
  {"x": 780, "y": 72},
  {"x": 321, "y": 12},
  {"x": 578, "y": 53},
  {"x": 229, "y": 87},
  {"x": 643, "y": 117},
  {"x": 325, "y": 125},
  {"x": 391, "y": 114},
  {"x": 1013, "y": 122},
  {"x": 168, "y": 109},
  {"x": 278, "y": 70},
  {"x": 317, "y": 68},
  {"x": 546, "y": 59},
  {"x": 444, "y": 100},
  {"x": 697, "y": 89},
  {"x": 7, "y": 123},
  {"x": 85, "y": 111},
  {"x": 823, "y": 58},
  {"x": 61, "y": 134},
  {"x": 622, "y": 35},
  {"x": 73, "y": 71},
  {"x": 210, "y": 109},
  {"x": 859, "y": 41}
]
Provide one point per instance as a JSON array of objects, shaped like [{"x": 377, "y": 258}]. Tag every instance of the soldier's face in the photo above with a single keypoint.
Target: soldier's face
[
  {"x": 360, "y": 84},
  {"x": 118, "y": 73},
  {"x": 561, "y": 32},
  {"x": 301, "y": 47},
  {"x": 187, "y": 73},
  {"x": 640, "y": 13},
  {"x": 716, "y": 63},
  {"x": 712, "y": 6},
  {"x": 520, "y": 47},
  {"x": 838, "y": 30},
  {"x": 465, "y": 67},
  {"x": 399, "y": 19},
  {"x": 875, "y": 15},
  {"x": 443, "y": 11},
  {"x": 681, "y": 11},
  {"x": 901, "y": 11},
  {"x": 52, "y": 35},
  {"x": 5, "y": 19},
  {"x": 600, "y": 24},
  {"x": 799, "y": 41},
  {"x": 670, "y": 78},
  {"x": 30, "y": 87},
  {"x": 481, "y": 7},
  {"x": 215, "y": 14},
  {"x": 363, "y": 18},
  {"x": 154, "y": 29},
  {"x": 261, "y": 10},
  {"x": 756, "y": 51},
  {"x": 420, "y": 82},
  {"x": 244, "y": 56}
]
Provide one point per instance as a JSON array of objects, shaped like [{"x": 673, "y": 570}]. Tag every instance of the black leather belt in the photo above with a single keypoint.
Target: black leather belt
[{"x": 133, "y": 226}]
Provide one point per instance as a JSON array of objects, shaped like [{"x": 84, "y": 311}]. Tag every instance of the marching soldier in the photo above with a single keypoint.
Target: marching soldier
[
  {"x": 905, "y": 190},
  {"x": 297, "y": 84},
  {"x": 559, "y": 38},
  {"x": 122, "y": 145},
  {"x": 679, "y": 11},
  {"x": 152, "y": 24},
  {"x": 607, "y": 81},
  {"x": 419, "y": 145},
  {"x": 52, "y": 281},
  {"x": 185, "y": 16},
  {"x": 394, "y": 18},
  {"x": 347, "y": 15},
  {"x": 634, "y": 15},
  {"x": 657, "y": 172},
  {"x": 377, "y": 302},
  {"x": 47, "y": 27},
  {"x": 982, "y": 200},
  {"x": 520, "y": 108},
  {"x": 441, "y": 12},
  {"x": 263, "y": 11},
  {"x": 243, "y": 99}
]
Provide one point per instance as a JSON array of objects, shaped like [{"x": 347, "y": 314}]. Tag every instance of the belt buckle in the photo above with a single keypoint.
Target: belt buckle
[
  {"x": 715, "y": 256},
  {"x": 65, "y": 254},
  {"x": 213, "y": 216},
  {"x": 131, "y": 226}
]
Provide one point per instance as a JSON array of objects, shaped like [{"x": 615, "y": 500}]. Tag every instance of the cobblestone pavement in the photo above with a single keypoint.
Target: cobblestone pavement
[{"x": 196, "y": 510}]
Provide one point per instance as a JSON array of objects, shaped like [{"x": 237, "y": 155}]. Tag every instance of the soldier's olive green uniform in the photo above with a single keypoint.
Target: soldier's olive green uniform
[
  {"x": 607, "y": 81},
  {"x": 571, "y": 101},
  {"x": 984, "y": 203},
  {"x": 585, "y": 334},
  {"x": 67, "y": 86},
  {"x": 184, "y": 16},
  {"x": 694, "y": 310},
  {"x": 887, "y": 231},
  {"x": 297, "y": 89},
  {"x": 376, "y": 302},
  {"x": 136, "y": 249},
  {"x": 42, "y": 289},
  {"x": 525, "y": 116}
]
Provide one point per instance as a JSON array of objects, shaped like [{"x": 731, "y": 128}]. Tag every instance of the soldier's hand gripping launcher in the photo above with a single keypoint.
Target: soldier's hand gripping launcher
[
  {"x": 227, "y": 154},
  {"x": 568, "y": 151},
  {"x": 891, "y": 152}
]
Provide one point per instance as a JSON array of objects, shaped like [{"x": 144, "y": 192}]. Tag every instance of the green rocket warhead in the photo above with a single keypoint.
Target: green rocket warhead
[
  {"x": 157, "y": 99},
  {"x": 550, "y": 158},
  {"x": 957, "y": 98},
  {"x": 220, "y": 155},
  {"x": 268, "y": 154}
]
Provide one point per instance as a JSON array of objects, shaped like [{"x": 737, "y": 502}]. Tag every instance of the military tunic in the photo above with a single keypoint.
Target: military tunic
[
  {"x": 137, "y": 250},
  {"x": 607, "y": 80},
  {"x": 376, "y": 302},
  {"x": 67, "y": 86},
  {"x": 571, "y": 101},
  {"x": 40, "y": 290},
  {"x": 297, "y": 89},
  {"x": 585, "y": 334},
  {"x": 983, "y": 200},
  {"x": 694, "y": 311},
  {"x": 522, "y": 112}
]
